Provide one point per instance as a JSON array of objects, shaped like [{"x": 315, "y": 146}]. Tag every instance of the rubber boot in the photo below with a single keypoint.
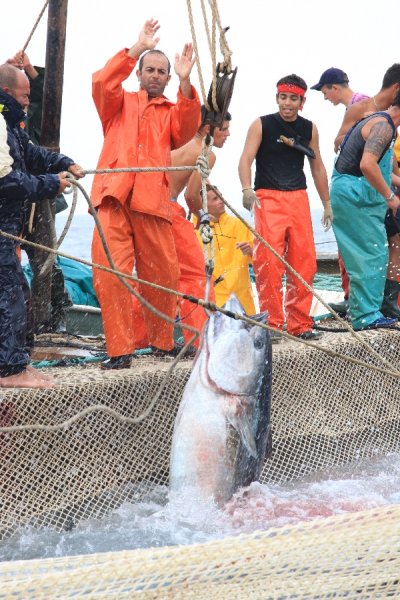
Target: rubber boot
[
  {"x": 340, "y": 307},
  {"x": 390, "y": 307}
]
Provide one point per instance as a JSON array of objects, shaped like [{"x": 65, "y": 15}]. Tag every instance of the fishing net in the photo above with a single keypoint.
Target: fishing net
[{"x": 326, "y": 412}]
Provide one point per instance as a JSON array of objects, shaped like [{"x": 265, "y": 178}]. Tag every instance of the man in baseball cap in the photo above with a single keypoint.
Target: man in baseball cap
[
  {"x": 334, "y": 84},
  {"x": 330, "y": 76}
]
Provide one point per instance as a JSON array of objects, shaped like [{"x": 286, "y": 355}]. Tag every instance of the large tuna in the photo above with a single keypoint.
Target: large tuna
[{"x": 222, "y": 431}]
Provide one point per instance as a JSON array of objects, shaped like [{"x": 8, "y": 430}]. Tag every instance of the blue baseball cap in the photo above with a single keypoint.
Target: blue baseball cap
[{"x": 329, "y": 77}]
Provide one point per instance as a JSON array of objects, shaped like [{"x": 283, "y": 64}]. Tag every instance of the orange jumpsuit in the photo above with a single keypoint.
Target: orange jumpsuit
[
  {"x": 134, "y": 208},
  {"x": 192, "y": 280}
]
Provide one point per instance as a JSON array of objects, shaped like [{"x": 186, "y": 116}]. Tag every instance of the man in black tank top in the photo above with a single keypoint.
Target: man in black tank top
[
  {"x": 360, "y": 186},
  {"x": 278, "y": 143}
]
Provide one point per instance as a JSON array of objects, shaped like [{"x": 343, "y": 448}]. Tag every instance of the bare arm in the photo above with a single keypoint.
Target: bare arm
[
  {"x": 318, "y": 170},
  {"x": 251, "y": 146},
  {"x": 378, "y": 135}
]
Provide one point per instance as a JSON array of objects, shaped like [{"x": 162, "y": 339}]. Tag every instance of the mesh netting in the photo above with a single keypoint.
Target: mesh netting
[
  {"x": 326, "y": 412},
  {"x": 352, "y": 556}
]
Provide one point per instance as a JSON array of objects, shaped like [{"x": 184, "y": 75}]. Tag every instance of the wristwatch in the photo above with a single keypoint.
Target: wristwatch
[{"x": 391, "y": 197}]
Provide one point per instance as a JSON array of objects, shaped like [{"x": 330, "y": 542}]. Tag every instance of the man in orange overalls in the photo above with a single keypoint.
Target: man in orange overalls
[
  {"x": 190, "y": 254},
  {"x": 282, "y": 213},
  {"x": 134, "y": 209}
]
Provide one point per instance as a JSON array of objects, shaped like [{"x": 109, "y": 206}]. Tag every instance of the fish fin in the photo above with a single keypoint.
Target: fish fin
[{"x": 243, "y": 426}]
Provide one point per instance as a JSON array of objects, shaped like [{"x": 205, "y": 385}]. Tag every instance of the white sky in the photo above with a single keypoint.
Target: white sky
[{"x": 269, "y": 39}]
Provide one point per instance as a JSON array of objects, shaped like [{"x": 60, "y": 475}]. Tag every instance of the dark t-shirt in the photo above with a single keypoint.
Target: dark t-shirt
[{"x": 278, "y": 166}]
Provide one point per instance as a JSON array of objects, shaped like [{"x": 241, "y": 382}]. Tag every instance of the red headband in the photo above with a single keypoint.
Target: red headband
[{"x": 291, "y": 89}]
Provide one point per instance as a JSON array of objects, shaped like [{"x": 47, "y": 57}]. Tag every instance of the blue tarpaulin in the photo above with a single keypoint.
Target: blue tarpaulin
[{"x": 78, "y": 280}]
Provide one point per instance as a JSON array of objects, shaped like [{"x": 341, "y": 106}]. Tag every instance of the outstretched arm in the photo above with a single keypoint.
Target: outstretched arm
[
  {"x": 251, "y": 146},
  {"x": 320, "y": 178},
  {"x": 378, "y": 135}
]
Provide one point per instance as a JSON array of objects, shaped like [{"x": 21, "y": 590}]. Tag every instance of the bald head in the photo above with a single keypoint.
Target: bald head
[
  {"x": 14, "y": 82},
  {"x": 8, "y": 76}
]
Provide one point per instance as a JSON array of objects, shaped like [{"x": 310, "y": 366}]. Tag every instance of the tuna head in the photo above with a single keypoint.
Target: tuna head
[
  {"x": 237, "y": 357},
  {"x": 236, "y": 351}
]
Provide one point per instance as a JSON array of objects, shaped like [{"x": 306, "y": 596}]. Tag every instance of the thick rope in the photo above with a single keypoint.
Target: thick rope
[
  {"x": 357, "y": 335},
  {"x": 86, "y": 411},
  {"x": 226, "y": 52},
  {"x": 208, "y": 306},
  {"x": 346, "y": 325},
  {"x": 204, "y": 228},
  {"x": 122, "y": 278},
  {"x": 196, "y": 51},
  {"x": 214, "y": 62}
]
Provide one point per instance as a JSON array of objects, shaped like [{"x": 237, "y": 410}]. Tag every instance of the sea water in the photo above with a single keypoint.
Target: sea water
[{"x": 161, "y": 520}]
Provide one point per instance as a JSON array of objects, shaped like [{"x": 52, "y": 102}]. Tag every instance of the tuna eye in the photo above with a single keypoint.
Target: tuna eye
[{"x": 258, "y": 343}]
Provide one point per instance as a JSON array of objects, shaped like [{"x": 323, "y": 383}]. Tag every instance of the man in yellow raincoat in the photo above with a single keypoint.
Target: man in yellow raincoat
[{"x": 233, "y": 251}]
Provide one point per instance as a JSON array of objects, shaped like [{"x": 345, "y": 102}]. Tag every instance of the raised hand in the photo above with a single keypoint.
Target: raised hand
[
  {"x": 146, "y": 36},
  {"x": 184, "y": 62}
]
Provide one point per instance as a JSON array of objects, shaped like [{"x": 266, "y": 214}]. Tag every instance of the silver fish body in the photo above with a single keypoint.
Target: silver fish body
[{"x": 222, "y": 431}]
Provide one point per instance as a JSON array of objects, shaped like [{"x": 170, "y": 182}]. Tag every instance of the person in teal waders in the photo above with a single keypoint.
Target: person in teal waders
[{"x": 360, "y": 196}]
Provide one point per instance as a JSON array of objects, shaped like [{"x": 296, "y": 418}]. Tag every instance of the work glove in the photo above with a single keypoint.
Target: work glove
[
  {"x": 249, "y": 199},
  {"x": 327, "y": 218}
]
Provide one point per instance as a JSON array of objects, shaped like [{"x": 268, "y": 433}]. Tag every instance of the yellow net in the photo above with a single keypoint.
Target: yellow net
[
  {"x": 351, "y": 556},
  {"x": 325, "y": 412}
]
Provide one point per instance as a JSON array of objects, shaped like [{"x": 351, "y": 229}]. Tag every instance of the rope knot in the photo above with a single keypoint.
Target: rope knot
[
  {"x": 203, "y": 166},
  {"x": 205, "y": 228}
]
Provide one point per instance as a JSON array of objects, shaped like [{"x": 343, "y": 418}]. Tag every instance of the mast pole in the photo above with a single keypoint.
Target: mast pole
[{"x": 50, "y": 138}]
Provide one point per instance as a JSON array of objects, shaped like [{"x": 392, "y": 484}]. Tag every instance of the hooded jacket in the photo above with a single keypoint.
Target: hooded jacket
[
  {"x": 33, "y": 175},
  {"x": 138, "y": 132}
]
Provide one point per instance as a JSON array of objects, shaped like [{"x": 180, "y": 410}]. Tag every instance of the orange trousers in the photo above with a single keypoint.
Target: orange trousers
[
  {"x": 192, "y": 280},
  {"x": 284, "y": 221},
  {"x": 145, "y": 241}
]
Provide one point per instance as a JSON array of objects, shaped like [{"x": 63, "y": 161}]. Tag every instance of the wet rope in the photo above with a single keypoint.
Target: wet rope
[
  {"x": 357, "y": 335},
  {"x": 209, "y": 306},
  {"x": 123, "y": 276},
  {"x": 205, "y": 230}
]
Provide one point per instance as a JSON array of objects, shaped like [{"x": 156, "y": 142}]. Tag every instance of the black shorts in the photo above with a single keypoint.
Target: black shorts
[{"x": 392, "y": 224}]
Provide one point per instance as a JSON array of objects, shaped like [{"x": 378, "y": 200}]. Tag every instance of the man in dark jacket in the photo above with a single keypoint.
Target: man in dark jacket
[
  {"x": 36, "y": 174},
  {"x": 60, "y": 299}
]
